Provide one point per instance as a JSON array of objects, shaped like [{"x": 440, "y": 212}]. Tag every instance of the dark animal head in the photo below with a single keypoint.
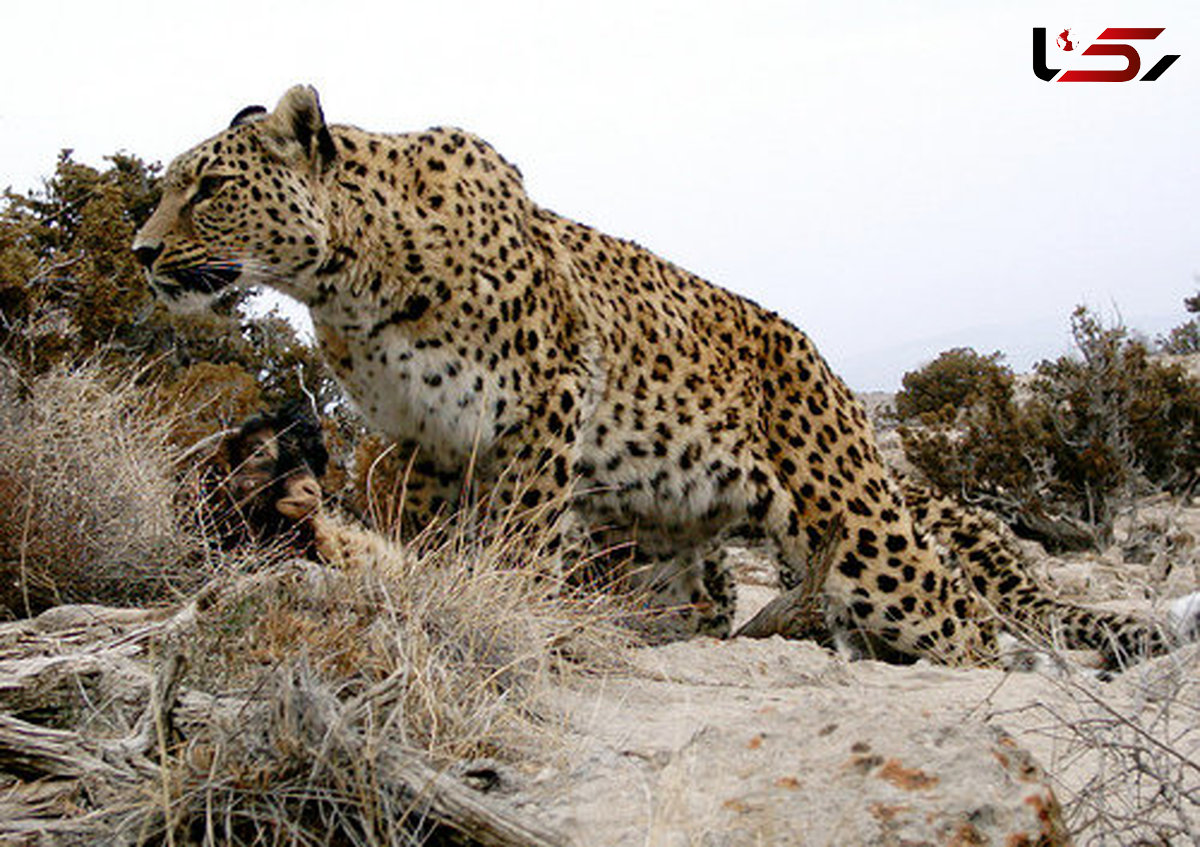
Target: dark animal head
[{"x": 268, "y": 488}]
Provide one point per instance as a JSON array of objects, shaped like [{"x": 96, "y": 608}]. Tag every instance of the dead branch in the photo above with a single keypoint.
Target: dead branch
[
  {"x": 136, "y": 658},
  {"x": 39, "y": 752},
  {"x": 453, "y": 804},
  {"x": 800, "y": 613}
]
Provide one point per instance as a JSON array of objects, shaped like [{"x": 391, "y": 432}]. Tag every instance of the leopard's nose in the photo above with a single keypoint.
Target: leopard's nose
[{"x": 146, "y": 254}]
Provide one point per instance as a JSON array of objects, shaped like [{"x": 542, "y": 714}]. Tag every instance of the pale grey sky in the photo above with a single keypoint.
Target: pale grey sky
[{"x": 892, "y": 177}]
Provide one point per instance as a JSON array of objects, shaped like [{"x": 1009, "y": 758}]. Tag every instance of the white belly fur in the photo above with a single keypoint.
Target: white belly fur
[{"x": 431, "y": 395}]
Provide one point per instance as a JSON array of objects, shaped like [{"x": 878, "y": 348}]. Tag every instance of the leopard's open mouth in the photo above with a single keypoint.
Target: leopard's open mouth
[{"x": 205, "y": 279}]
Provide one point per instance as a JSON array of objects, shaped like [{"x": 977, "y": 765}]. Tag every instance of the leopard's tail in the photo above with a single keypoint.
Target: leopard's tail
[{"x": 990, "y": 558}]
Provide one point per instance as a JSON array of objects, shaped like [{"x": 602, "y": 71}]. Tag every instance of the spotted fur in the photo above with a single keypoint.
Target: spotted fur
[{"x": 578, "y": 375}]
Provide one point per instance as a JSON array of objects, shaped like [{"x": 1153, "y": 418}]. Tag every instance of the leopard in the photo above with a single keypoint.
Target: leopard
[{"x": 603, "y": 392}]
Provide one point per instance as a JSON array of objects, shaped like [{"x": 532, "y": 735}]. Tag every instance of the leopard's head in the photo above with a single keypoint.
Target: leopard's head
[{"x": 245, "y": 207}]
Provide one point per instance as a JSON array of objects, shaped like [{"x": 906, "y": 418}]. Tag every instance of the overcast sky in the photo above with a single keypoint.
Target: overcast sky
[{"x": 892, "y": 177}]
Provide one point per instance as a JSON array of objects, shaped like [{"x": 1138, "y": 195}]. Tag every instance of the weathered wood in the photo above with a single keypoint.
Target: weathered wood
[
  {"x": 138, "y": 655},
  {"x": 794, "y": 614},
  {"x": 800, "y": 612},
  {"x": 37, "y": 752},
  {"x": 1057, "y": 533},
  {"x": 452, "y": 804}
]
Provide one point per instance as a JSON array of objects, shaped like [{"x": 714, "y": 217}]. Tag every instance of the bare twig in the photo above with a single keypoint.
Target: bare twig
[{"x": 800, "y": 612}]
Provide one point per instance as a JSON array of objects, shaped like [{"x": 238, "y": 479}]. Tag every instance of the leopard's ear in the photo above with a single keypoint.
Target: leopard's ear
[
  {"x": 297, "y": 129},
  {"x": 248, "y": 115}
]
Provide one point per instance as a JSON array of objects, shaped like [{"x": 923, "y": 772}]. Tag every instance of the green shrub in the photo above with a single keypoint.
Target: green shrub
[
  {"x": 1095, "y": 429},
  {"x": 955, "y": 380},
  {"x": 1184, "y": 340}
]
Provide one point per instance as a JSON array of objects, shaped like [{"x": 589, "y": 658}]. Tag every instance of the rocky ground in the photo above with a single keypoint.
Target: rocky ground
[
  {"x": 775, "y": 742},
  {"x": 738, "y": 742},
  {"x": 781, "y": 743}
]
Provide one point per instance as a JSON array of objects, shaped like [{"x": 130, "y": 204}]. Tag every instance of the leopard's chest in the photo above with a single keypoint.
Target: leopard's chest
[{"x": 414, "y": 389}]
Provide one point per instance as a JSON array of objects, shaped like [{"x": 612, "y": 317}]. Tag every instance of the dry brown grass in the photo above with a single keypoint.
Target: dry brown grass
[
  {"x": 280, "y": 702},
  {"x": 296, "y": 704},
  {"x": 86, "y": 483},
  {"x": 444, "y": 652},
  {"x": 464, "y": 629}
]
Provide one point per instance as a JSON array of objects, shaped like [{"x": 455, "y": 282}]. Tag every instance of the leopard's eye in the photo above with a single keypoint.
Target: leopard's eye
[{"x": 208, "y": 187}]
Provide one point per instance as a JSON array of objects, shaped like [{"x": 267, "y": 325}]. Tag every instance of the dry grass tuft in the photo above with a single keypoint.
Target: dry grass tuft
[
  {"x": 462, "y": 633},
  {"x": 86, "y": 482},
  {"x": 293, "y": 703},
  {"x": 438, "y": 656}
]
